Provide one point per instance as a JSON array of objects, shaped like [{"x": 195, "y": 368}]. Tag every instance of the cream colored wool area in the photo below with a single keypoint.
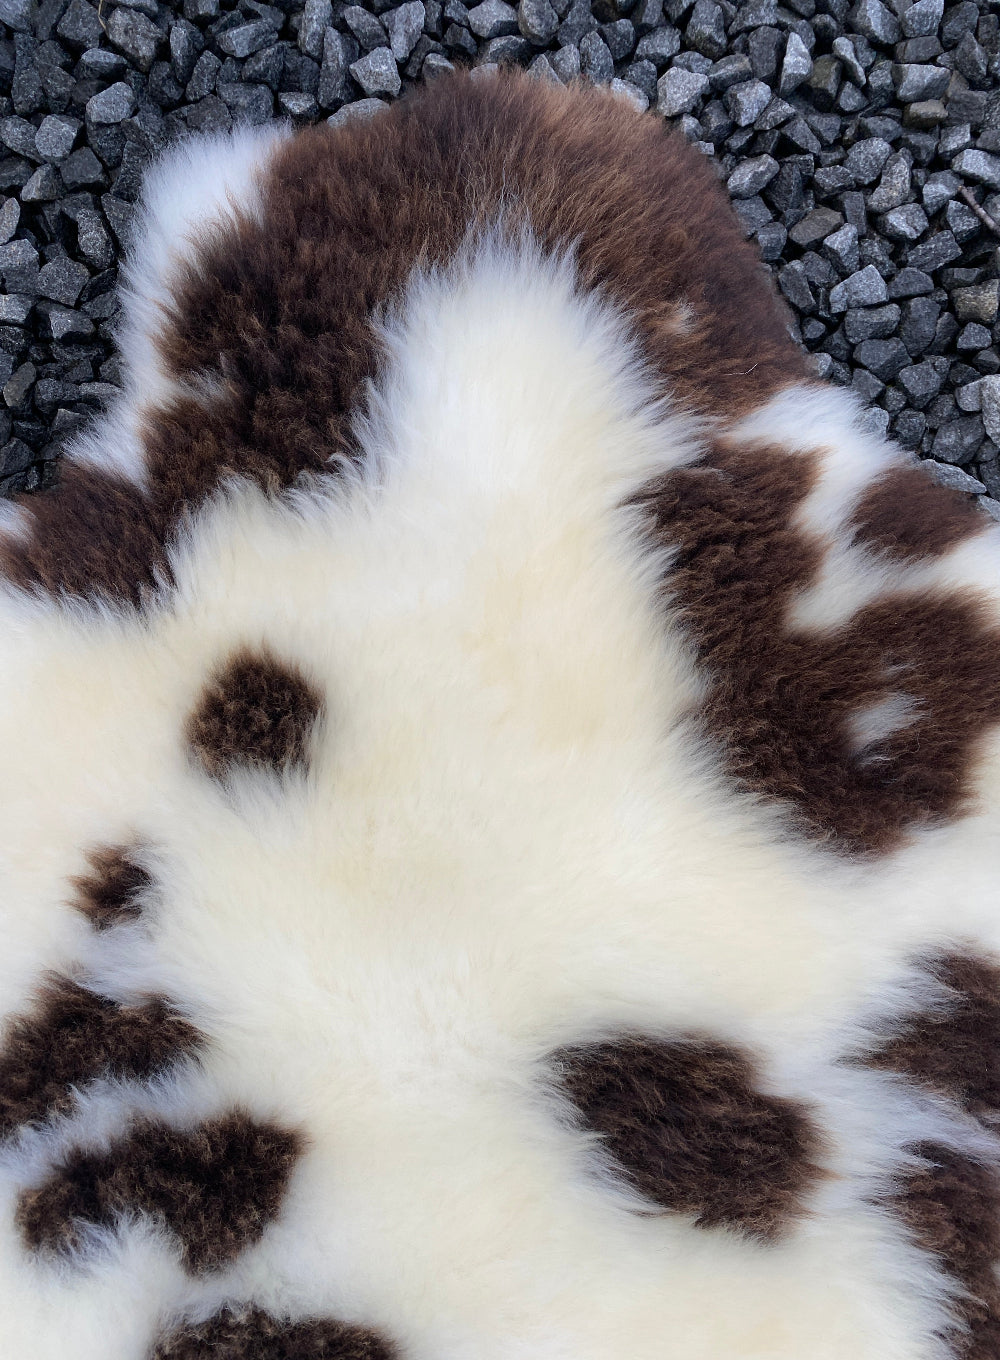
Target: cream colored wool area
[{"x": 508, "y": 837}]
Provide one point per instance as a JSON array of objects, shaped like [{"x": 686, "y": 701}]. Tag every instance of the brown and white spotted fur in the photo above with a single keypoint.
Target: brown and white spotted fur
[{"x": 500, "y": 768}]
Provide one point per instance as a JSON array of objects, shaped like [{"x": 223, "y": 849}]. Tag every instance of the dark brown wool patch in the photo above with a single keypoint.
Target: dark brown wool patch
[
  {"x": 216, "y": 1187},
  {"x": 952, "y": 1209},
  {"x": 255, "y": 710},
  {"x": 686, "y": 1123},
  {"x": 955, "y": 1047},
  {"x": 254, "y": 1335},
  {"x": 92, "y": 534},
  {"x": 111, "y": 892},
  {"x": 905, "y": 514},
  {"x": 74, "y": 1036},
  {"x": 279, "y": 310},
  {"x": 781, "y": 703}
]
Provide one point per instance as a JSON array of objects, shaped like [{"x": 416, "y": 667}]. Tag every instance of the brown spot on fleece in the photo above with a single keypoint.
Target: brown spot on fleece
[
  {"x": 954, "y": 1047},
  {"x": 952, "y": 1209},
  {"x": 684, "y": 1121},
  {"x": 279, "y": 310},
  {"x": 905, "y": 514},
  {"x": 216, "y": 1187},
  {"x": 111, "y": 892},
  {"x": 254, "y": 1335},
  {"x": 75, "y": 1036},
  {"x": 781, "y": 702},
  {"x": 92, "y": 534},
  {"x": 255, "y": 710}
]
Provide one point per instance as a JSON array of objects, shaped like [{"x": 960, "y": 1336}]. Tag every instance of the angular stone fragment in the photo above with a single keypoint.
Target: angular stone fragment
[
  {"x": 921, "y": 383},
  {"x": 376, "y": 72},
  {"x": 884, "y": 358},
  {"x": 746, "y": 102},
  {"x": 112, "y": 105},
  {"x": 866, "y": 159},
  {"x": 922, "y": 19},
  {"x": 493, "y": 19},
  {"x": 978, "y": 302},
  {"x": 878, "y": 24},
  {"x": 907, "y": 223},
  {"x": 135, "y": 35},
  {"x": 243, "y": 41},
  {"x": 706, "y": 31},
  {"x": 317, "y": 16},
  {"x": 55, "y": 137},
  {"x": 404, "y": 26},
  {"x": 915, "y": 81},
  {"x": 954, "y": 477},
  {"x": 538, "y": 21},
  {"x": 842, "y": 248},
  {"x": 751, "y": 176},
  {"x": 989, "y": 401},
  {"x": 865, "y": 288},
  {"x": 980, "y": 166},
  {"x": 678, "y": 91},
  {"x": 957, "y": 440},
  {"x": 796, "y": 68}
]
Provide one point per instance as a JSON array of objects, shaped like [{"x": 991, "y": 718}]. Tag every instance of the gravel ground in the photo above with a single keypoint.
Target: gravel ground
[{"x": 861, "y": 146}]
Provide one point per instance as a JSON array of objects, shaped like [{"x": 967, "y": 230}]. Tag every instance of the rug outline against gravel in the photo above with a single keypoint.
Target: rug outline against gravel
[{"x": 510, "y": 870}]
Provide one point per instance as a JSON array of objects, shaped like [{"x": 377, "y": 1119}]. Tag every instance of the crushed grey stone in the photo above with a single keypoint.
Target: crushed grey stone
[
  {"x": 746, "y": 102},
  {"x": 15, "y": 309},
  {"x": 659, "y": 46},
  {"x": 796, "y": 66},
  {"x": 537, "y": 20},
  {"x": 706, "y": 31},
  {"x": 842, "y": 248},
  {"x": 63, "y": 281},
  {"x": 894, "y": 186},
  {"x": 875, "y": 22},
  {"x": 247, "y": 38},
  {"x": 954, "y": 478},
  {"x": 865, "y": 288},
  {"x": 404, "y": 26},
  {"x": 794, "y": 284},
  {"x": 979, "y": 166},
  {"x": 915, "y": 81},
  {"x": 679, "y": 91},
  {"x": 317, "y": 16},
  {"x": 922, "y": 19},
  {"x": 751, "y": 176},
  {"x": 359, "y": 110},
  {"x": 907, "y": 223},
  {"x": 376, "y": 72},
  {"x": 55, "y": 136},
  {"x": 595, "y": 59},
  {"x": 870, "y": 323},
  {"x": 935, "y": 253},
  {"x": 866, "y": 159},
  {"x": 44, "y": 186},
  {"x": 957, "y": 440},
  {"x": 989, "y": 401},
  {"x": 493, "y": 19},
  {"x": 973, "y": 336},
  {"x": 112, "y": 105},
  {"x": 921, "y": 382},
  {"x": 19, "y": 384},
  {"x": 885, "y": 358},
  {"x": 977, "y": 303}
]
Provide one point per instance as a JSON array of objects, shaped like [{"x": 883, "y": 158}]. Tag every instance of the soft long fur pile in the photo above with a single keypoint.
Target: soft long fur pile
[{"x": 498, "y": 820}]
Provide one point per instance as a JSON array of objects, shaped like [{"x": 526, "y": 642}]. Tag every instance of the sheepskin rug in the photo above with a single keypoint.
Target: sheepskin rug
[{"x": 500, "y": 769}]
